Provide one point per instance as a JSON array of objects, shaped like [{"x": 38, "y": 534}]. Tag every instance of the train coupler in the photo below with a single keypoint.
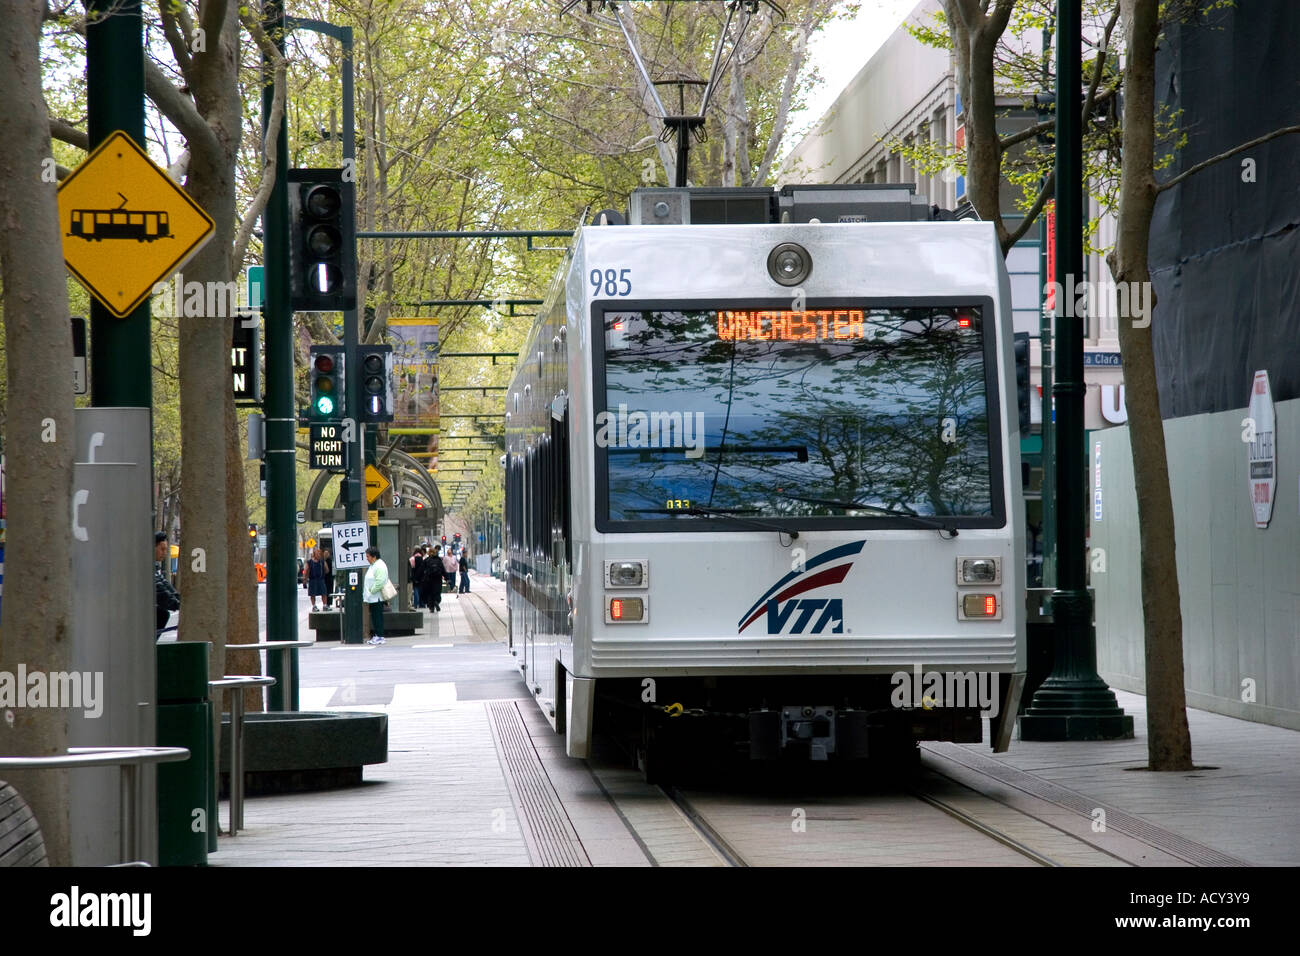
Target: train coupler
[{"x": 807, "y": 732}]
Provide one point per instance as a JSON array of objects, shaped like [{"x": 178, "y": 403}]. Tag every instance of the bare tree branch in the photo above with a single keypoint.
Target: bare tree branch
[
  {"x": 172, "y": 13},
  {"x": 270, "y": 144},
  {"x": 1045, "y": 193},
  {"x": 1161, "y": 187},
  {"x": 1103, "y": 50},
  {"x": 178, "y": 108},
  {"x": 67, "y": 133}
]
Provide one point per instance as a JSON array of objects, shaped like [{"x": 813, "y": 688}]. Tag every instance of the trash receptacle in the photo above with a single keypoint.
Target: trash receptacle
[{"x": 186, "y": 791}]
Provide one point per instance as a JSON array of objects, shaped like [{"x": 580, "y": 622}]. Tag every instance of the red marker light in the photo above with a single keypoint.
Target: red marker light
[
  {"x": 990, "y": 605},
  {"x": 617, "y": 326},
  {"x": 616, "y": 609},
  {"x": 964, "y": 322}
]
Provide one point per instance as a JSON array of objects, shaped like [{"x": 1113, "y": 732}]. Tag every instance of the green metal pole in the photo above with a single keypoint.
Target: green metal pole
[
  {"x": 1073, "y": 703},
  {"x": 281, "y": 419},
  {"x": 121, "y": 361}
]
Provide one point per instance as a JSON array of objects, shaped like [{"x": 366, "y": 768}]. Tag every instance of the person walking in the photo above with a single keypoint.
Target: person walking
[
  {"x": 166, "y": 598},
  {"x": 373, "y": 594},
  {"x": 417, "y": 575},
  {"x": 317, "y": 586},
  {"x": 464, "y": 572},
  {"x": 330, "y": 584},
  {"x": 431, "y": 582},
  {"x": 450, "y": 566}
]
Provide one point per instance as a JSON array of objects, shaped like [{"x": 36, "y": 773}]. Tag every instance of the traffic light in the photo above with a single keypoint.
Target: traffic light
[
  {"x": 252, "y": 531},
  {"x": 322, "y": 246},
  {"x": 376, "y": 383},
  {"x": 1021, "y": 343},
  {"x": 327, "y": 383}
]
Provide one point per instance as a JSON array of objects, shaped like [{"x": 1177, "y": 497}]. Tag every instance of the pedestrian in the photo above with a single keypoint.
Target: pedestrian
[
  {"x": 450, "y": 566},
  {"x": 166, "y": 598},
  {"x": 317, "y": 583},
  {"x": 464, "y": 572},
  {"x": 373, "y": 594},
  {"x": 330, "y": 583},
  {"x": 431, "y": 582},
  {"x": 417, "y": 573}
]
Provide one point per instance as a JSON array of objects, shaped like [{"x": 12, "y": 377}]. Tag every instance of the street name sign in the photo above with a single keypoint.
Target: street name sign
[
  {"x": 376, "y": 483},
  {"x": 351, "y": 538},
  {"x": 126, "y": 224},
  {"x": 328, "y": 450}
]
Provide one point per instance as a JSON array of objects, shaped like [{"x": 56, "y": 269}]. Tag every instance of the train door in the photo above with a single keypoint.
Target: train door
[{"x": 530, "y": 565}]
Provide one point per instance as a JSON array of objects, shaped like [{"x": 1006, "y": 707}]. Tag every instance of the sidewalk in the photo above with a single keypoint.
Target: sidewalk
[{"x": 1242, "y": 800}]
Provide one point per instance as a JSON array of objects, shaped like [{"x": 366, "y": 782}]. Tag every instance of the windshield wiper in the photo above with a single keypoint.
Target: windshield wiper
[{"x": 923, "y": 521}]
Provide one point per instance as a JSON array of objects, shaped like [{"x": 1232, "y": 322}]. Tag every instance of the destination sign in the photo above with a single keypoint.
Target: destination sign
[
  {"x": 328, "y": 450},
  {"x": 775, "y": 325}
]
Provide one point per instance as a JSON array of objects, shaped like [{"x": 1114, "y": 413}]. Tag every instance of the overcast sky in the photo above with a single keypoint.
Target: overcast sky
[{"x": 842, "y": 49}]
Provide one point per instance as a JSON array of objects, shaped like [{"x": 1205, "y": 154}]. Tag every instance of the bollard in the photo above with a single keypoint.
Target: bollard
[{"x": 187, "y": 821}]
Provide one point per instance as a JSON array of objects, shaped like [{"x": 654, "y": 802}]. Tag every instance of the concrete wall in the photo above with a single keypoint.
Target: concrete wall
[{"x": 1239, "y": 585}]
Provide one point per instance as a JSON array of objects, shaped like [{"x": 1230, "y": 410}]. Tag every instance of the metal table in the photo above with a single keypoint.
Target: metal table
[
  {"x": 238, "y": 684},
  {"x": 128, "y": 760}
]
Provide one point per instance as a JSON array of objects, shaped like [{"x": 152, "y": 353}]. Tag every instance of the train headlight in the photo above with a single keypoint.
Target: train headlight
[
  {"x": 625, "y": 610},
  {"x": 789, "y": 263},
  {"x": 979, "y": 571},
  {"x": 627, "y": 574}
]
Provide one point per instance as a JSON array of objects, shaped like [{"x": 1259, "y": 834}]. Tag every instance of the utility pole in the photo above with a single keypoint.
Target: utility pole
[
  {"x": 281, "y": 416},
  {"x": 1073, "y": 703},
  {"x": 121, "y": 359}
]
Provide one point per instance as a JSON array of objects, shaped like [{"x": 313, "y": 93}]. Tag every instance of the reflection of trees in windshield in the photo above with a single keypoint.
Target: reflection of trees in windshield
[{"x": 871, "y": 413}]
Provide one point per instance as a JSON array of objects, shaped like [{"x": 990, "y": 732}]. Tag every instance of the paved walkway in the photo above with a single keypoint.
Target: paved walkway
[{"x": 1243, "y": 800}]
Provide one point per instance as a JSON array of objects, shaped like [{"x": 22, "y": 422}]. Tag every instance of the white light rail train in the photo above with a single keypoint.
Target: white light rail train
[{"x": 763, "y": 480}]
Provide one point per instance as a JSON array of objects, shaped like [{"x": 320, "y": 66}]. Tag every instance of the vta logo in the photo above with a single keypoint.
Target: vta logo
[
  {"x": 787, "y": 613},
  {"x": 832, "y": 614}
]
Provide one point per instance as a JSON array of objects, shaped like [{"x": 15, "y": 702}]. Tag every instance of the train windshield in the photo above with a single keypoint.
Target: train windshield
[{"x": 849, "y": 412}]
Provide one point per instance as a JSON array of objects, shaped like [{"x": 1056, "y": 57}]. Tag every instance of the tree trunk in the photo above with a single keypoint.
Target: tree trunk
[
  {"x": 205, "y": 363},
  {"x": 1169, "y": 745},
  {"x": 39, "y": 430},
  {"x": 241, "y": 583}
]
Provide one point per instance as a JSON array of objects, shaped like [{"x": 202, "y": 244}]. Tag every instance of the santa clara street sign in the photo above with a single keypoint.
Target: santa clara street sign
[{"x": 126, "y": 224}]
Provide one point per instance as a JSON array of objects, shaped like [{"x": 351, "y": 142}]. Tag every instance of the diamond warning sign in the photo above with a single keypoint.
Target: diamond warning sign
[{"x": 126, "y": 225}]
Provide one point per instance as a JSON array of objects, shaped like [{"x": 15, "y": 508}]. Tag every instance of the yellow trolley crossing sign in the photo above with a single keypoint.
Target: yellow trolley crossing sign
[{"x": 126, "y": 225}]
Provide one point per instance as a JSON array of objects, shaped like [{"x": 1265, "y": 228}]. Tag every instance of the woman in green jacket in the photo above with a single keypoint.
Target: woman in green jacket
[{"x": 371, "y": 594}]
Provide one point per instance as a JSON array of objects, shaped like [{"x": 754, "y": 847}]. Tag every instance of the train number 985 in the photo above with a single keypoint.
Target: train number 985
[{"x": 613, "y": 282}]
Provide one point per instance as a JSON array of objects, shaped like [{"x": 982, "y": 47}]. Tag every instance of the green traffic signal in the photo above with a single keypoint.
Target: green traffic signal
[{"x": 324, "y": 405}]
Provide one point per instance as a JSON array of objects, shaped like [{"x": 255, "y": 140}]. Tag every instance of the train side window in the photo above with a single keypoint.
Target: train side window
[{"x": 562, "y": 454}]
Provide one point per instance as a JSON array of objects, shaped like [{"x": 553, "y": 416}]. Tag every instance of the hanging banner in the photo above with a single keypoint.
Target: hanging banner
[
  {"x": 416, "y": 408},
  {"x": 1261, "y": 454}
]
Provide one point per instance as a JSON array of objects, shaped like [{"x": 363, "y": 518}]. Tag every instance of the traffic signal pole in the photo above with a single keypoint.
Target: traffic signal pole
[
  {"x": 353, "y": 481},
  {"x": 1073, "y": 703},
  {"x": 281, "y": 417}
]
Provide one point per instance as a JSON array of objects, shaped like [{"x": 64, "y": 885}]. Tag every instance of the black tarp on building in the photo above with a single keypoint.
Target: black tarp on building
[{"x": 1225, "y": 252}]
